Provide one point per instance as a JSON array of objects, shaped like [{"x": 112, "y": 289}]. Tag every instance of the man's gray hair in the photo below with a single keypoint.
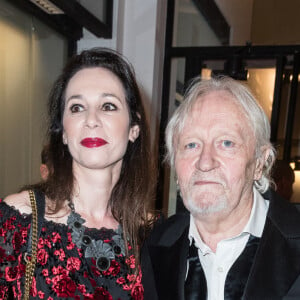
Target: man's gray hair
[{"x": 242, "y": 96}]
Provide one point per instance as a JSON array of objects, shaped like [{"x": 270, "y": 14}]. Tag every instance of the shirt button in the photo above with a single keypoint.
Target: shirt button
[{"x": 220, "y": 269}]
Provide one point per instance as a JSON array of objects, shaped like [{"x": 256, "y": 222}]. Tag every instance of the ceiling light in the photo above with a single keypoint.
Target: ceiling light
[{"x": 48, "y": 7}]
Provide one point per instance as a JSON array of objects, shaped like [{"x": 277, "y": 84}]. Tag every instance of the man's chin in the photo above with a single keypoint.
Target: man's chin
[{"x": 208, "y": 208}]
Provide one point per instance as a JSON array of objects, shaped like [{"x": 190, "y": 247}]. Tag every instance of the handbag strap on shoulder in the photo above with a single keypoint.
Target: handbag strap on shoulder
[
  {"x": 37, "y": 200},
  {"x": 40, "y": 210}
]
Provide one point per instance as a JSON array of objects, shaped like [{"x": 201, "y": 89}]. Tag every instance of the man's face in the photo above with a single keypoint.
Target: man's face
[{"x": 215, "y": 156}]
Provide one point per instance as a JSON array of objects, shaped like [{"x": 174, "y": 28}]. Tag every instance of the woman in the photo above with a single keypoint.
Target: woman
[{"x": 97, "y": 193}]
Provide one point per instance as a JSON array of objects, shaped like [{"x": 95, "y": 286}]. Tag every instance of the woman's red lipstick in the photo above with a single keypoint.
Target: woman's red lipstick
[{"x": 93, "y": 142}]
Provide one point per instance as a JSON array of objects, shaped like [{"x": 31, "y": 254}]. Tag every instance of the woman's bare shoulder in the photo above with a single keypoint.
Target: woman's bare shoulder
[{"x": 20, "y": 201}]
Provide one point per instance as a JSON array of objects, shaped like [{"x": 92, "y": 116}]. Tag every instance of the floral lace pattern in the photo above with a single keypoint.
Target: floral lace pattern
[{"x": 62, "y": 271}]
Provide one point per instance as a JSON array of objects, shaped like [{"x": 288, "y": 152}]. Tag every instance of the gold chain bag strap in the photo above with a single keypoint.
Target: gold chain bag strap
[{"x": 30, "y": 263}]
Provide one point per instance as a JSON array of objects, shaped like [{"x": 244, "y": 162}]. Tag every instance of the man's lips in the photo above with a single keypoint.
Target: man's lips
[
  {"x": 93, "y": 142},
  {"x": 205, "y": 182}
]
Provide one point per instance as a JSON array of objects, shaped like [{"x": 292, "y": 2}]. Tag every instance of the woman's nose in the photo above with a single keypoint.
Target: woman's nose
[{"x": 93, "y": 119}]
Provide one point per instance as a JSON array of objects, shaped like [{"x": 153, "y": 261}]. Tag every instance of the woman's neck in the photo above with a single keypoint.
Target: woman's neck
[{"x": 92, "y": 192}]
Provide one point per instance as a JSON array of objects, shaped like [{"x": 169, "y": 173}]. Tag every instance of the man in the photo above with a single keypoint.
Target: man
[
  {"x": 284, "y": 178},
  {"x": 45, "y": 163},
  {"x": 234, "y": 244}
]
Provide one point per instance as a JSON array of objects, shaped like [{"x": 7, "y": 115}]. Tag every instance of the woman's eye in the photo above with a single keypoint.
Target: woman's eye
[
  {"x": 75, "y": 108},
  {"x": 109, "y": 107},
  {"x": 190, "y": 146},
  {"x": 227, "y": 144}
]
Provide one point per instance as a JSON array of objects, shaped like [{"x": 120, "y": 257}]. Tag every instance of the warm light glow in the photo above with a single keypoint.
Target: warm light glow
[
  {"x": 291, "y": 77},
  {"x": 47, "y": 7},
  {"x": 261, "y": 82},
  {"x": 296, "y": 187},
  {"x": 206, "y": 73}
]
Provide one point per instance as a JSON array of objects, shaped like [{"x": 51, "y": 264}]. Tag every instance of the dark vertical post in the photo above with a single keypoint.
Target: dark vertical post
[
  {"x": 193, "y": 67},
  {"x": 291, "y": 109},
  {"x": 72, "y": 47},
  {"x": 109, "y": 16},
  {"x": 165, "y": 102},
  {"x": 280, "y": 63}
]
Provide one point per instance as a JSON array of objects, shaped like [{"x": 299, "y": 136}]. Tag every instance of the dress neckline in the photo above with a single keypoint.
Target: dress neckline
[{"x": 62, "y": 226}]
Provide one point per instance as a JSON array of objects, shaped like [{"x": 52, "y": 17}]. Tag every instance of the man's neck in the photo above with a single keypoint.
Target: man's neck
[{"x": 223, "y": 225}]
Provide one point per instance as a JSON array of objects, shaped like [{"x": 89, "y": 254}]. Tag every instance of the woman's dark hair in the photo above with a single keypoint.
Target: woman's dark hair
[{"x": 132, "y": 194}]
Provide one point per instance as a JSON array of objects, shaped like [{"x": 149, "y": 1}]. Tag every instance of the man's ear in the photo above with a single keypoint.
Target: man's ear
[
  {"x": 134, "y": 133},
  {"x": 260, "y": 162}
]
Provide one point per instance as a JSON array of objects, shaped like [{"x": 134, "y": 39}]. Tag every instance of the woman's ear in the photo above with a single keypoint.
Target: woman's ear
[
  {"x": 64, "y": 138},
  {"x": 134, "y": 133},
  {"x": 260, "y": 162}
]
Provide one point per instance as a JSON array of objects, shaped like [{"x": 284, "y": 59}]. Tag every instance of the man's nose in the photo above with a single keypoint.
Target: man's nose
[{"x": 206, "y": 160}]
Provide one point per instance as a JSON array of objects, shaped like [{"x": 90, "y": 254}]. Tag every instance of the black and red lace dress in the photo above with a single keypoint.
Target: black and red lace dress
[{"x": 62, "y": 270}]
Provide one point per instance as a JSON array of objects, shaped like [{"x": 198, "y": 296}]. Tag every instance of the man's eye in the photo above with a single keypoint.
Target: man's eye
[
  {"x": 227, "y": 144},
  {"x": 109, "y": 107},
  {"x": 75, "y": 108},
  {"x": 190, "y": 146}
]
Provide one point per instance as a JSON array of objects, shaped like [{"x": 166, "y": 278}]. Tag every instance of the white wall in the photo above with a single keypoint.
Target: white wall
[{"x": 32, "y": 56}]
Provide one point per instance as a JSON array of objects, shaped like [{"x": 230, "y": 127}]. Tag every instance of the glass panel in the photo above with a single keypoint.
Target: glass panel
[
  {"x": 31, "y": 57},
  {"x": 97, "y": 8},
  {"x": 261, "y": 80},
  {"x": 176, "y": 90},
  {"x": 295, "y": 152},
  {"x": 296, "y": 129},
  {"x": 191, "y": 28},
  {"x": 285, "y": 96}
]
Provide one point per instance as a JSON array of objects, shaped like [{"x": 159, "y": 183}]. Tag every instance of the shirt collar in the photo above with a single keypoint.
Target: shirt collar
[
  {"x": 256, "y": 223},
  {"x": 254, "y": 226}
]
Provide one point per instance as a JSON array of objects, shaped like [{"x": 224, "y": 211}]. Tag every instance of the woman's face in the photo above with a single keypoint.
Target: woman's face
[{"x": 96, "y": 119}]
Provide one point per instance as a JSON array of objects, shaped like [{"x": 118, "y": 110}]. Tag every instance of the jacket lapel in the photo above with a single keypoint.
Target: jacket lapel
[
  {"x": 169, "y": 261},
  {"x": 277, "y": 263}
]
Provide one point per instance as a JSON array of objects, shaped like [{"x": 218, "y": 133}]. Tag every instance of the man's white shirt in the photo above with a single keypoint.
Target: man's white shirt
[{"x": 216, "y": 265}]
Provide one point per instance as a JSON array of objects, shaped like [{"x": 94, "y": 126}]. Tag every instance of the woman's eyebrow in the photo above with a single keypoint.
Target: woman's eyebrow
[
  {"x": 105, "y": 95},
  {"x": 77, "y": 96},
  {"x": 111, "y": 95}
]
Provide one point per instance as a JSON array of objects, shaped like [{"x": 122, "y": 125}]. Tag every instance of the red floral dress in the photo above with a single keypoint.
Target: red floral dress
[{"x": 61, "y": 271}]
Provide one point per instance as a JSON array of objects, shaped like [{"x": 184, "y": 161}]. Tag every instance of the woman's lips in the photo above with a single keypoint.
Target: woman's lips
[{"x": 93, "y": 142}]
